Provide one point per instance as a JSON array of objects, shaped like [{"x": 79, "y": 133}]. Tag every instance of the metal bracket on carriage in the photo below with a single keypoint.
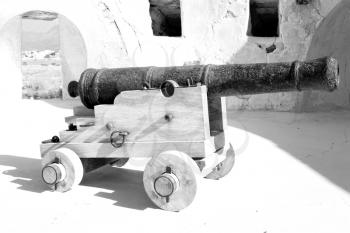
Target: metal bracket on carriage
[
  {"x": 117, "y": 137},
  {"x": 218, "y": 164}
]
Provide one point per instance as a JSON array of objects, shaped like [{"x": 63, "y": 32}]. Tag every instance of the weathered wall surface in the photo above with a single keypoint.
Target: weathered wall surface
[
  {"x": 73, "y": 52},
  {"x": 118, "y": 34},
  {"x": 10, "y": 60},
  {"x": 301, "y": 38}
]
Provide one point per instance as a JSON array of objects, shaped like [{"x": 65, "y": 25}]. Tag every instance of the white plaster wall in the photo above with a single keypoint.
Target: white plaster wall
[
  {"x": 119, "y": 34},
  {"x": 73, "y": 53},
  {"x": 214, "y": 32},
  {"x": 10, "y": 61},
  {"x": 94, "y": 46},
  {"x": 112, "y": 35}
]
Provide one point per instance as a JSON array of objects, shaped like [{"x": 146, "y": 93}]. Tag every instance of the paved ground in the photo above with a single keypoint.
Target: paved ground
[{"x": 292, "y": 174}]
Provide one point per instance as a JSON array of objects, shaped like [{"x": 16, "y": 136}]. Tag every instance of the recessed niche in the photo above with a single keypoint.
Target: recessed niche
[
  {"x": 264, "y": 18},
  {"x": 166, "y": 17}
]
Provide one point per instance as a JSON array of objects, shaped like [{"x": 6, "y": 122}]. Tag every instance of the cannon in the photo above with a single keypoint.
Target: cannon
[{"x": 175, "y": 116}]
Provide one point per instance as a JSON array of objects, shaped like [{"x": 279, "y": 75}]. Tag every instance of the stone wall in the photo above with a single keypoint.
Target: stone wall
[{"x": 118, "y": 33}]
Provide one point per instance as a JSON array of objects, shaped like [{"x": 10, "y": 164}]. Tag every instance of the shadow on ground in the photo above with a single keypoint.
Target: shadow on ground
[
  {"x": 126, "y": 185},
  {"x": 319, "y": 140},
  {"x": 25, "y": 171}
]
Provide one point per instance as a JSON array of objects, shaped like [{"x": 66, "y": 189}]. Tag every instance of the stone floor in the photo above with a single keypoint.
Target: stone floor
[{"x": 292, "y": 174}]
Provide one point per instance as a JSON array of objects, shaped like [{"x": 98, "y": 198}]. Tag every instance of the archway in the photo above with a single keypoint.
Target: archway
[
  {"x": 16, "y": 36},
  {"x": 40, "y": 53},
  {"x": 27, "y": 122}
]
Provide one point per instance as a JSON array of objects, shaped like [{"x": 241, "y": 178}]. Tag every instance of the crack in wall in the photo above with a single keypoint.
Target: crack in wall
[
  {"x": 230, "y": 14},
  {"x": 110, "y": 12},
  {"x": 318, "y": 11},
  {"x": 110, "y": 15}
]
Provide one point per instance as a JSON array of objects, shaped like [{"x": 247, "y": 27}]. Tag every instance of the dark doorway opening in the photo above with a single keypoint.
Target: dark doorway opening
[
  {"x": 264, "y": 18},
  {"x": 166, "y": 17}
]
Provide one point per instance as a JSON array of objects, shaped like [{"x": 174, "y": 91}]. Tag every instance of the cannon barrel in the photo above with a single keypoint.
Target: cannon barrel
[{"x": 101, "y": 86}]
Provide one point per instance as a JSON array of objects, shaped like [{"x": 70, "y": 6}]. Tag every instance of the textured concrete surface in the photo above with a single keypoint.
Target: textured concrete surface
[{"x": 291, "y": 175}]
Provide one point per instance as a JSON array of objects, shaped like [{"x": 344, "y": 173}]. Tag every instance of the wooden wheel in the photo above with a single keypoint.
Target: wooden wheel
[
  {"x": 170, "y": 180},
  {"x": 62, "y": 169},
  {"x": 223, "y": 168}
]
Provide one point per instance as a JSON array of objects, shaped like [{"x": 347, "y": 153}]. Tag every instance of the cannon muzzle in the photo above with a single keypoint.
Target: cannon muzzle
[{"x": 101, "y": 86}]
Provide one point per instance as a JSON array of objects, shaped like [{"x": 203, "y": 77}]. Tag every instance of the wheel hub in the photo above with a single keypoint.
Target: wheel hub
[
  {"x": 53, "y": 173},
  {"x": 166, "y": 184}
]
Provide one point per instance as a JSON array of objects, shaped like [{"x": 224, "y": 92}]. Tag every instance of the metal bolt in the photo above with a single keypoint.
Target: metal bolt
[{"x": 169, "y": 117}]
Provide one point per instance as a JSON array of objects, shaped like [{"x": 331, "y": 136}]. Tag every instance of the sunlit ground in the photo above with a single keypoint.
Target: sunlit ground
[{"x": 291, "y": 175}]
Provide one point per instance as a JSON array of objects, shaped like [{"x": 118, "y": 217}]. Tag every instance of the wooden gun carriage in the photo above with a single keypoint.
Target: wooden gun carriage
[{"x": 176, "y": 116}]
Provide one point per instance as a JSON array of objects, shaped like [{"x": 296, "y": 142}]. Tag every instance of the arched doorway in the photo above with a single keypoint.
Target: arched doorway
[
  {"x": 43, "y": 52},
  {"x": 40, "y": 53},
  {"x": 25, "y": 121}
]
